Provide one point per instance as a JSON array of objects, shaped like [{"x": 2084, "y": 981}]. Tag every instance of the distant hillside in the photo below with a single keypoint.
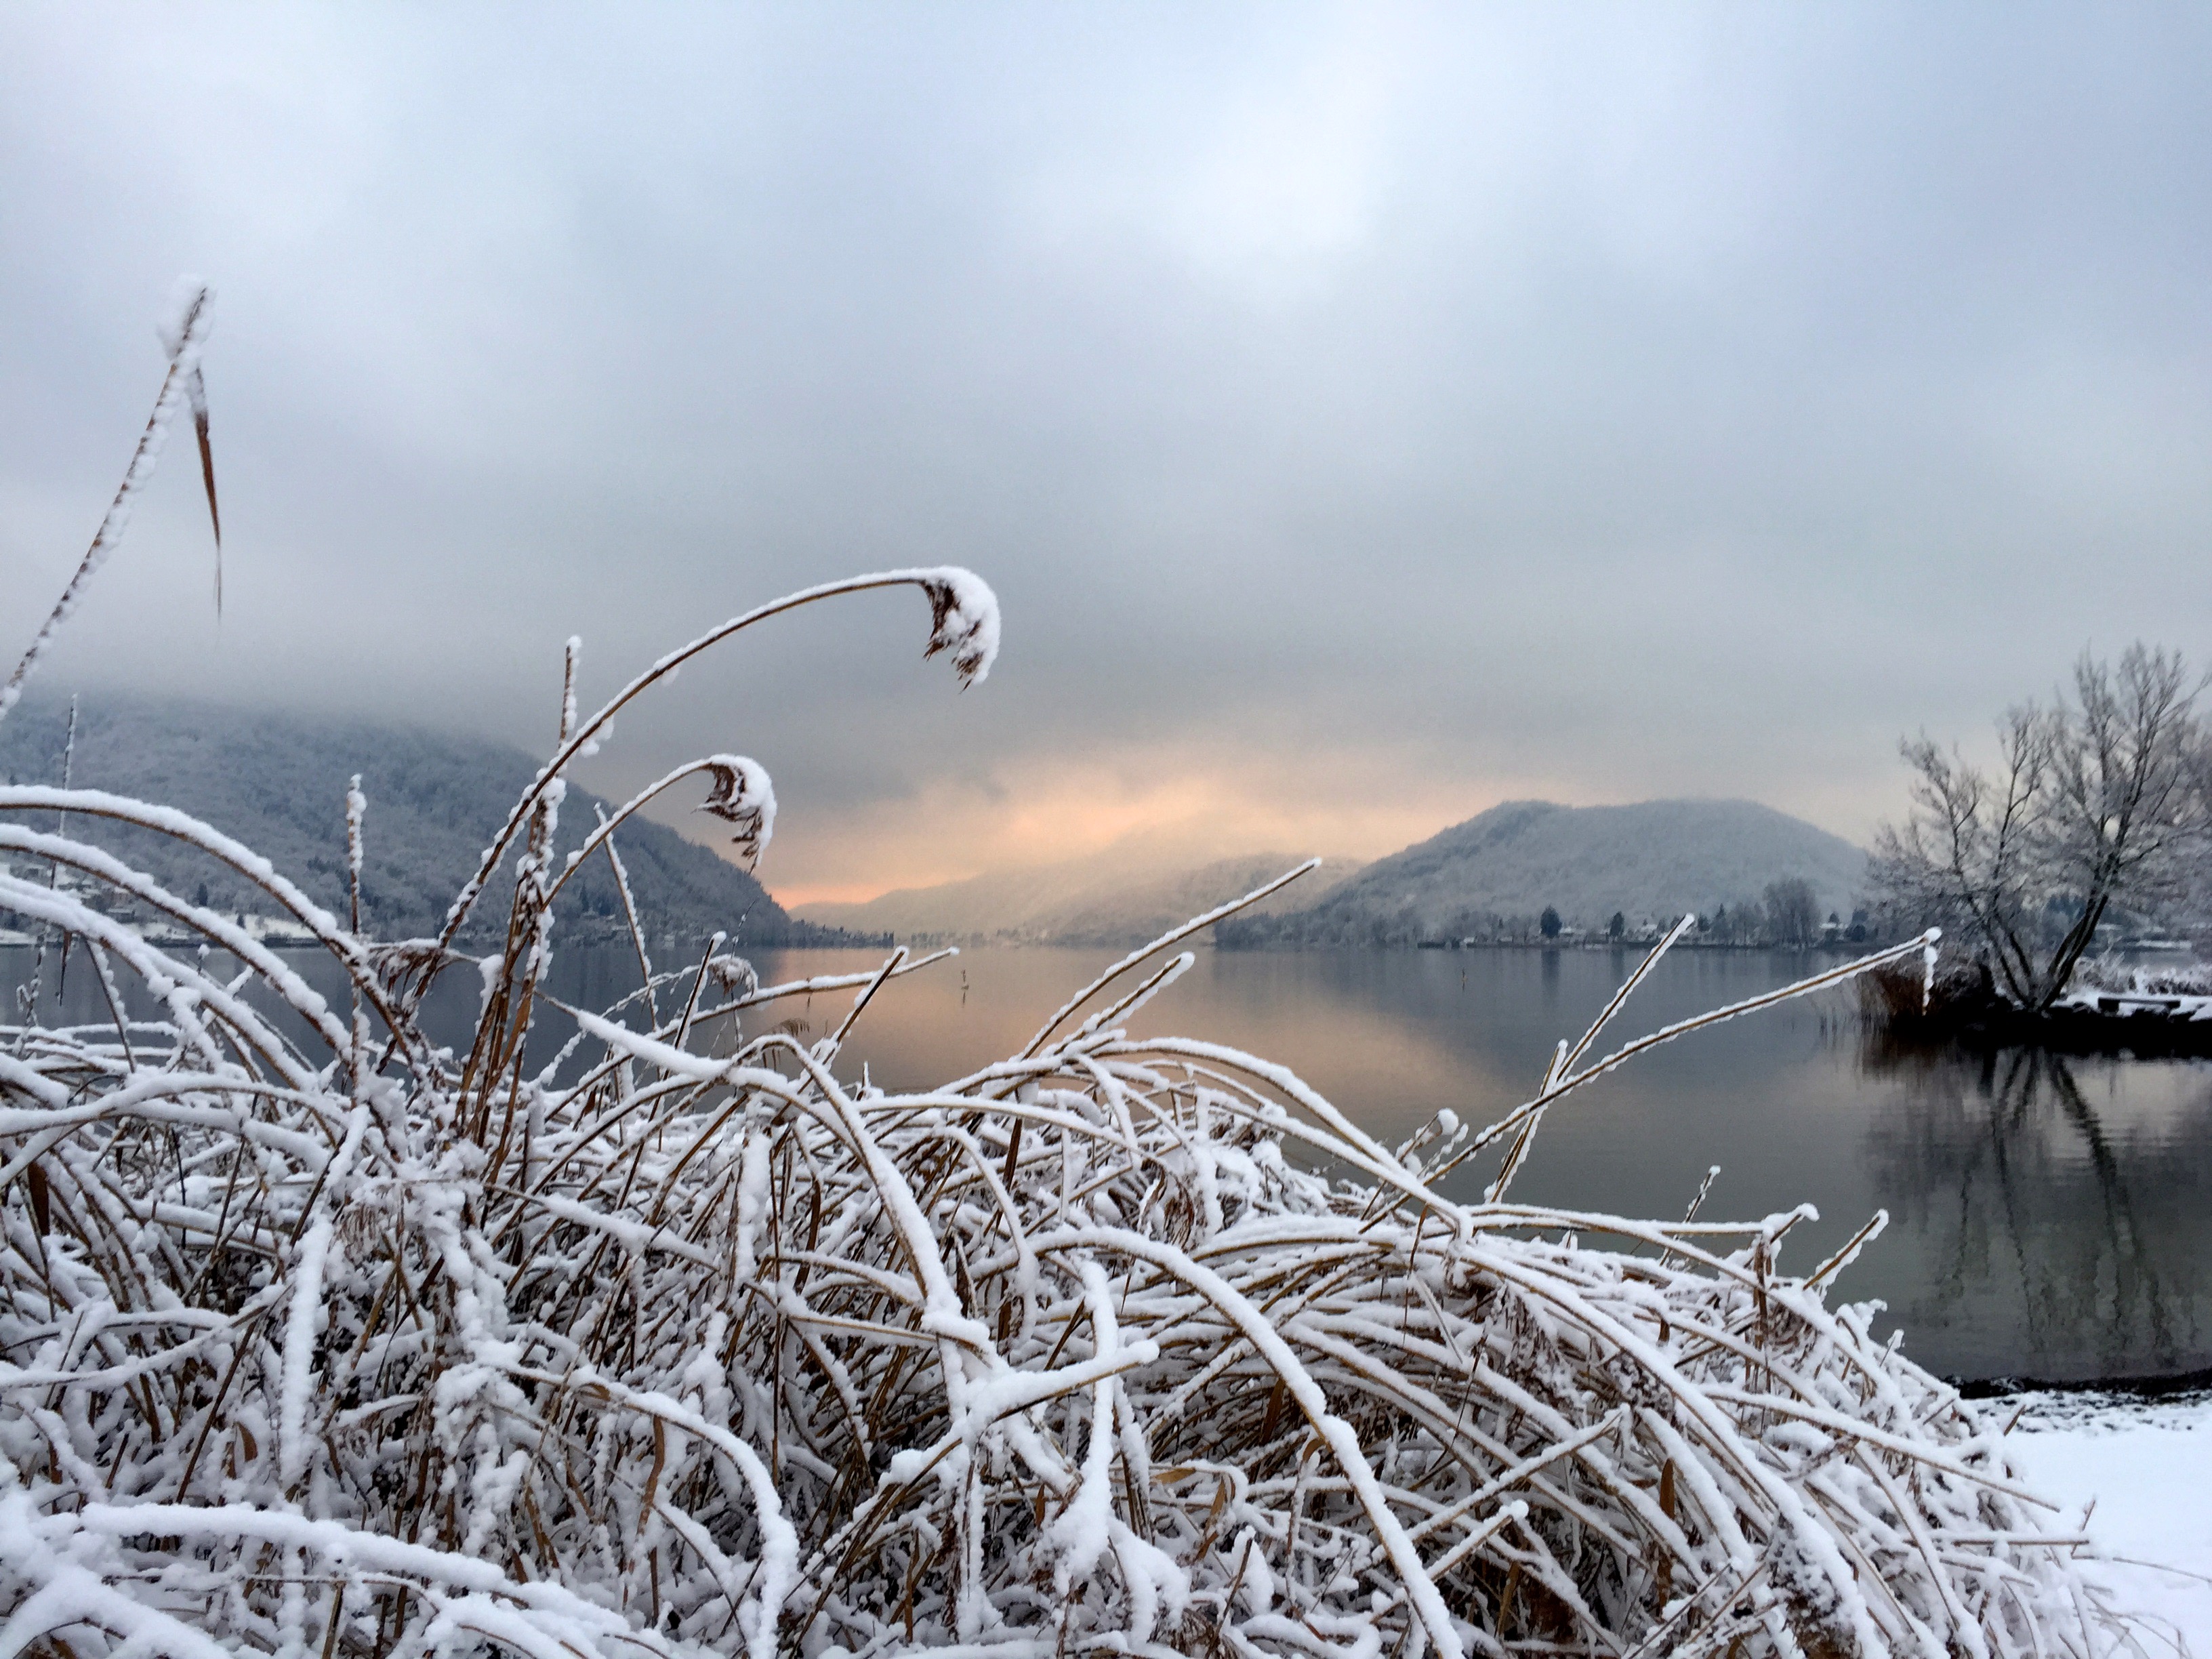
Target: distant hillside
[
  {"x": 277, "y": 783},
  {"x": 1109, "y": 900},
  {"x": 1656, "y": 858}
]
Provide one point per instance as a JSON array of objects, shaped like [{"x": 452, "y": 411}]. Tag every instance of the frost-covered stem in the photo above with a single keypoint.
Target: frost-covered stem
[
  {"x": 572, "y": 657},
  {"x": 698, "y": 984},
  {"x": 1564, "y": 1059},
  {"x": 630, "y": 916},
  {"x": 966, "y": 624},
  {"x": 502, "y": 1037},
  {"x": 205, "y": 838},
  {"x": 1627, "y": 1052},
  {"x": 357, "y": 809},
  {"x": 184, "y": 363},
  {"x": 1196, "y": 924},
  {"x": 1334, "y": 1432},
  {"x": 299, "y": 1350},
  {"x": 114, "y": 995},
  {"x": 836, "y": 1039},
  {"x": 54, "y": 868},
  {"x": 1510, "y": 1164},
  {"x": 742, "y": 785}
]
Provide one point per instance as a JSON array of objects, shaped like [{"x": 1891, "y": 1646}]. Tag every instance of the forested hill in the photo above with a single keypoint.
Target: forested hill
[
  {"x": 277, "y": 783},
  {"x": 1498, "y": 871}
]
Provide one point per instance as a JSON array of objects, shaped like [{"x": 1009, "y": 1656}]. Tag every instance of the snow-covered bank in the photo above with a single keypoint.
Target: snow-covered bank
[{"x": 2146, "y": 1466}]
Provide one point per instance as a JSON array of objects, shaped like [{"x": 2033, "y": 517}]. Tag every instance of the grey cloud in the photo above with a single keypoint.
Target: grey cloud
[{"x": 1651, "y": 402}]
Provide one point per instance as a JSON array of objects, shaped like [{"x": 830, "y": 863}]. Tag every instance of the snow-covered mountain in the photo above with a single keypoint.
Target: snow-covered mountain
[
  {"x": 1653, "y": 860},
  {"x": 276, "y": 781}
]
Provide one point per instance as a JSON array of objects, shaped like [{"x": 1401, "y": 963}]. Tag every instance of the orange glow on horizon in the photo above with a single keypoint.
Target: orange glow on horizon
[
  {"x": 1148, "y": 811},
  {"x": 793, "y": 897}
]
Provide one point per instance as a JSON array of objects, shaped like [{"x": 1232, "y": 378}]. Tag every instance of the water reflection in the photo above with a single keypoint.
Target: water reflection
[
  {"x": 2049, "y": 1218},
  {"x": 2060, "y": 1205}
]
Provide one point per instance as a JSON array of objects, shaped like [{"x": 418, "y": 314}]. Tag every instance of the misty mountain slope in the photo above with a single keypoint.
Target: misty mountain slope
[
  {"x": 1655, "y": 858},
  {"x": 277, "y": 783},
  {"x": 1113, "y": 898}
]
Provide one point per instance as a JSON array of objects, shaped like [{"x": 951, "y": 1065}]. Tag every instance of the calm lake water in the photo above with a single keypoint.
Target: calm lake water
[{"x": 2049, "y": 1218}]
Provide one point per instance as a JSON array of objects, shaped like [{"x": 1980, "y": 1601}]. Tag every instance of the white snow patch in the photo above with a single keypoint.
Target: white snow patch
[{"x": 2147, "y": 1466}]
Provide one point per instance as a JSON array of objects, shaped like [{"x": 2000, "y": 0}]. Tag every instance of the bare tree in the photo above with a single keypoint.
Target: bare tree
[
  {"x": 2099, "y": 798},
  {"x": 1793, "y": 913}
]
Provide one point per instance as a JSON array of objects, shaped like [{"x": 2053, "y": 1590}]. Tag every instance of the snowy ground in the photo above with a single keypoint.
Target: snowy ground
[{"x": 2146, "y": 1465}]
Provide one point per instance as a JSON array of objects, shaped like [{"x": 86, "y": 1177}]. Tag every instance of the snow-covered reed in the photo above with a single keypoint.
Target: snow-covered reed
[{"x": 318, "y": 1339}]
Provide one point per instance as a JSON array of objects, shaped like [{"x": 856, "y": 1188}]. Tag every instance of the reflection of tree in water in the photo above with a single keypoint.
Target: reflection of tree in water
[{"x": 2080, "y": 1252}]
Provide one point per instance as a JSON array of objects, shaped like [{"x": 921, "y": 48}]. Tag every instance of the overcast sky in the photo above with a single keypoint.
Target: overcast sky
[{"x": 1364, "y": 414}]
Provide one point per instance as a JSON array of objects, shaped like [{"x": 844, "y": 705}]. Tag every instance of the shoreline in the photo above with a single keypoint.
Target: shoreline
[
  {"x": 2178, "y": 1388},
  {"x": 2139, "y": 1033}
]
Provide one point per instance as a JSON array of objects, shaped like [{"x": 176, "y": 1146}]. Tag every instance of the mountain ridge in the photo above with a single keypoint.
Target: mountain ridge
[
  {"x": 1493, "y": 872},
  {"x": 277, "y": 782}
]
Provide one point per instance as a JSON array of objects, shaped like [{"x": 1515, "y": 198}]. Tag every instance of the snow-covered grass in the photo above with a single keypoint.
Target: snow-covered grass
[
  {"x": 316, "y": 1338},
  {"x": 2141, "y": 1471},
  {"x": 2190, "y": 979},
  {"x": 2176, "y": 992},
  {"x": 684, "y": 1341}
]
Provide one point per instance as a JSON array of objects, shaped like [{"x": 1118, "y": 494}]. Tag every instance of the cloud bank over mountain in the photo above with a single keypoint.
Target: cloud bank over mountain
[{"x": 1366, "y": 414}]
